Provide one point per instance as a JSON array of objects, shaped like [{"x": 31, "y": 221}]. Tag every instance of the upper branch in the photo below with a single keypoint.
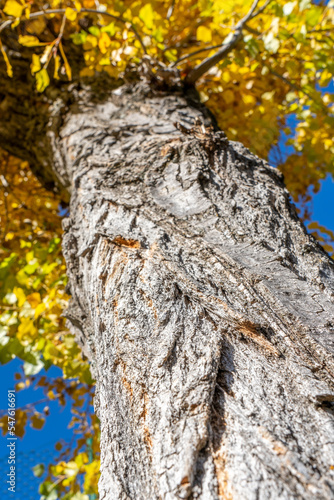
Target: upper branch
[{"x": 228, "y": 44}]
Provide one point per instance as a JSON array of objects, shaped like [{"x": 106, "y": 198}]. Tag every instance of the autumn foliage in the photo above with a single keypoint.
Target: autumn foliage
[{"x": 270, "y": 91}]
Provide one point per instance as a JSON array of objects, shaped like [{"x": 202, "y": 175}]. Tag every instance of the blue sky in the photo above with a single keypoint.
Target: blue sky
[{"x": 323, "y": 204}]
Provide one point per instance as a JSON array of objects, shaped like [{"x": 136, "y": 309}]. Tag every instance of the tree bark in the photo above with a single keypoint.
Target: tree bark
[{"x": 205, "y": 308}]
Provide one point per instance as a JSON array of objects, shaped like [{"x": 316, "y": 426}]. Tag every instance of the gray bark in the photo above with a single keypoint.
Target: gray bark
[{"x": 205, "y": 308}]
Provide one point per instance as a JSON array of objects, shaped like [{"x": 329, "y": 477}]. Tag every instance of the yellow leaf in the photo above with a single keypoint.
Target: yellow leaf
[
  {"x": 146, "y": 15},
  {"x": 57, "y": 66},
  {"x": 51, "y": 395},
  {"x": 67, "y": 66},
  {"x": 13, "y": 8},
  {"x": 91, "y": 42},
  {"x": 8, "y": 65},
  {"x": 42, "y": 80},
  {"x": 203, "y": 34},
  {"x": 104, "y": 43},
  {"x": 45, "y": 58},
  {"x": 20, "y": 422},
  {"x": 228, "y": 96},
  {"x": 15, "y": 23},
  {"x": 34, "y": 299},
  {"x": 30, "y": 41},
  {"x": 71, "y": 469},
  {"x": 40, "y": 309},
  {"x": 267, "y": 96},
  {"x": 226, "y": 76},
  {"x": 9, "y": 236},
  {"x": 37, "y": 421},
  {"x": 26, "y": 329},
  {"x": 36, "y": 26},
  {"x": 35, "y": 64},
  {"x": 248, "y": 99},
  {"x": 4, "y": 425},
  {"x": 78, "y": 6},
  {"x": 105, "y": 61},
  {"x": 20, "y": 296},
  {"x": 70, "y": 14}
]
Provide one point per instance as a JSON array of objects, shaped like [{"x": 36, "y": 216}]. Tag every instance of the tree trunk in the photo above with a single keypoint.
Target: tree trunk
[{"x": 205, "y": 308}]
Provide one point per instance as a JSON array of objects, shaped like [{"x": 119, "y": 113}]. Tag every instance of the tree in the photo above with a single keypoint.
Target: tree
[{"x": 202, "y": 304}]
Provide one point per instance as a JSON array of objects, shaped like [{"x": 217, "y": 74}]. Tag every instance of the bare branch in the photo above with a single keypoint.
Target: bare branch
[
  {"x": 229, "y": 43},
  {"x": 294, "y": 86},
  {"x": 261, "y": 9},
  {"x": 7, "y": 23},
  {"x": 192, "y": 54}
]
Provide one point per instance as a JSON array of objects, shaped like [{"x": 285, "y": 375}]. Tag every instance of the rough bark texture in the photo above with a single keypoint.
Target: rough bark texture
[{"x": 205, "y": 308}]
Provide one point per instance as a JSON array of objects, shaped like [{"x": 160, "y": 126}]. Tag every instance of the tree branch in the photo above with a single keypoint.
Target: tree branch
[
  {"x": 7, "y": 23},
  {"x": 294, "y": 86},
  {"x": 192, "y": 54},
  {"x": 228, "y": 44}
]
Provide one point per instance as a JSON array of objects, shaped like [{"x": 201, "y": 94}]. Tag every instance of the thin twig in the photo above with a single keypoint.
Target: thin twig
[
  {"x": 88, "y": 11},
  {"x": 296, "y": 87},
  {"x": 4, "y": 24},
  {"x": 211, "y": 47},
  {"x": 226, "y": 47},
  {"x": 192, "y": 54},
  {"x": 28, "y": 406},
  {"x": 322, "y": 30},
  {"x": 261, "y": 9},
  {"x": 5, "y": 193},
  {"x": 170, "y": 10},
  {"x": 289, "y": 82}
]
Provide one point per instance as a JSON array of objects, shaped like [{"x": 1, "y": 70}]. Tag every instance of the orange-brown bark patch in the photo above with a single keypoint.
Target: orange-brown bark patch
[
  {"x": 185, "y": 481},
  {"x": 147, "y": 439},
  {"x": 250, "y": 330},
  {"x": 119, "y": 240},
  {"x": 219, "y": 461}
]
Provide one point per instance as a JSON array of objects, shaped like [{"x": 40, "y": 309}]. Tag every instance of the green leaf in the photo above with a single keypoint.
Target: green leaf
[
  {"x": 94, "y": 30},
  {"x": 110, "y": 29},
  {"x": 31, "y": 268},
  {"x": 252, "y": 45},
  {"x": 313, "y": 16},
  {"x": 79, "y": 38},
  {"x": 48, "y": 491},
  {"x": 38, "y": 470}
]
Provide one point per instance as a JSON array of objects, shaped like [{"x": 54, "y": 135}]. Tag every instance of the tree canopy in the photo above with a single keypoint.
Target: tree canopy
[{"x": 263, "y": 68}]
